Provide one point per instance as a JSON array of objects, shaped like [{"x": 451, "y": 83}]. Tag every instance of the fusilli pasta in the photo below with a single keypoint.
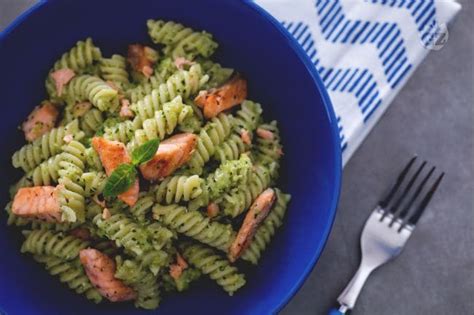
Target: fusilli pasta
[
  {"x": 72, "y": 274},
  {"x": 194, "y": 224},
  {"x": 114, "y": 69},
  {"x": 175, "y": 189},
  {"x": 51, "y": 143},
  {"x": 93, "y": 89},
  {"x": 213, "y": 265},
  {"x": 45, "y": 242},
  {"x": 181, "y": 41}
]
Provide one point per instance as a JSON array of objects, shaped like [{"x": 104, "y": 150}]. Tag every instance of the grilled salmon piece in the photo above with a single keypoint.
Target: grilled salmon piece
[
  {"x": 222, "y": 98},
  {"x": 40, "y": 202},
  {"x": 265, "y": 134},
  {"x": 125, "y": 111},
  {"x": 62, "y": 77},
  {"x": 212, "y": 210},
  {"x": 100, "y": 270},
  {"x": 41, "y": 120},
  {"x": 130, "y": 197},
  {"x": 245, "y": 136},
  {"x": 257, "y": 213},
  {"x": 172, "y": 154},
  {"x": 176, "y": 269},
  {"x": 141, "y": 59},
  {"x": 112, "y": 154}
]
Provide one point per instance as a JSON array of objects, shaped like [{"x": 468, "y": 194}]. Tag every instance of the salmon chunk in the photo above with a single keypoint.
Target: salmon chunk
[
  {"x": 245, "y": 136},
  {"x": 40, "y": 202},
  {"x": 222, "y": 98},
  {"x": 100, "y": 270},
  {"x": 112, "y": 154},
  {"x": 176, "y": 269},
  {"x": 180, "y": 62},
  {"x": 125, "y": 111},
  {"x": 212, "y": 210},
  {"x": 141, "y": 59},
  {"x": 172, "y": 154},
  {"x": 41, "y": 120},
  {"x": 62, "y": 77},
  {"x": 257, "y": 213}
]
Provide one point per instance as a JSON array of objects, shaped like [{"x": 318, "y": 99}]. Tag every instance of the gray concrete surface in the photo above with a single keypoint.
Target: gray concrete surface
[{"x": 434, "y": 117}]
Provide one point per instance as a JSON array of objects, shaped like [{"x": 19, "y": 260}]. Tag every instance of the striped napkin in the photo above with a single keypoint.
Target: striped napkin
[{"x": 364, "y": 50}]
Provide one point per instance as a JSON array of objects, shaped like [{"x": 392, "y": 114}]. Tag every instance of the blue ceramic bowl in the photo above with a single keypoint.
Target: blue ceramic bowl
[{"x": 280, "y": 77}]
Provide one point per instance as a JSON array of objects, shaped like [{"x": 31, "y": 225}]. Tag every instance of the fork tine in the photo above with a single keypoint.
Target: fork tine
[
  {"x": 424, "y": 203},
  {"x": 420, "y": 187},
  {"x": 394, "y": 208},
  {"x": 384, "y": 203}
]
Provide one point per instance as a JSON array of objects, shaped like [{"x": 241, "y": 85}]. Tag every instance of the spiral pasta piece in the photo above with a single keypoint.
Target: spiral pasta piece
[
  {"x": 141, "y": 280},
  {"x": 266, "y": 231},
  {"x": 181, "y": 41},
  {"x": 159, "y": 77},
  {"x": 114, "y": 69},
  {"x": 122, "y": 131},
  {"x": 80, "y": 59},
  {"x": 45, "y": 174},
  {"x": 94, "y": 183},
  {"x": 72, "y": 194},
  {"x": 93, "y": 89},
  {"x": 161, "y": 73},
  {"x": 91, "y": 121},
  {"x": 142, "y": 206},
  {"x": 246, "y": 118},
  {"x": 218, "y": 75},
  {"x": 51, "y": 143},
  {"x": 93, "y": 160},
  {"x": 231, "y": 149},
  {"x": 229, "y": 175},
  {"x": 193, "y": 224},
  {"x": 174, "y": 189},
  {"x": 45, "y": 242},
  {"x": 134, "y": 238},
  {"x": 160, "y": 236},
  {"x": 183, "y": 83},
  {"x": 164, "y": 122},
  {"x": 213, "y": 265},
  {"x": 211, "y": 136},
  {"x": 269, "y": 151},
  {"x": 125, "y": 232},
  {"x": 238, "y": 200},
  {"x": 72, "y": 274}
]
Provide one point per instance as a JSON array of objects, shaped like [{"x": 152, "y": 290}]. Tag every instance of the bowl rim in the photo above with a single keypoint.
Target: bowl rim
[{"x": 330, "y": 114}]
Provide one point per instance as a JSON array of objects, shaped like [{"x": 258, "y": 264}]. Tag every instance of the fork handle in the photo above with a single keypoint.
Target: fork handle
[{"x": 350, "y": 294}]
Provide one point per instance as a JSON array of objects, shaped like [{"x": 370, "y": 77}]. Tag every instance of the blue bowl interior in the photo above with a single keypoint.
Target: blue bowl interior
[{"x": 279, "y": 77}]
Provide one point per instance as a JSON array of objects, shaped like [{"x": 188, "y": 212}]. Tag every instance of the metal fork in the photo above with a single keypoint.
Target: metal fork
[{"x": 388, "y": 228}]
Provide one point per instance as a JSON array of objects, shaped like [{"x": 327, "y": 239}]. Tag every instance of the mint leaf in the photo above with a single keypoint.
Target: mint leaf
[
  {"x": 120, "y": 180},
  {"x": 145, "y": 152}
]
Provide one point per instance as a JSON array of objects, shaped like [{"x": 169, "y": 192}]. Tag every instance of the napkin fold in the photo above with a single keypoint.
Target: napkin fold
[{"x": 364, "y": 50}]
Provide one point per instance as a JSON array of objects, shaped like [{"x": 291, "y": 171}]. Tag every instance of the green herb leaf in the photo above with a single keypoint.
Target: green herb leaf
[
  {"x": 120, "y": 180},
  {"x": 145, "y": 152}
]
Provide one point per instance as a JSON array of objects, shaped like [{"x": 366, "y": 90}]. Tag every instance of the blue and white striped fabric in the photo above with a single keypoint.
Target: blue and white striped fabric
[{"x": 364, "y": 50}]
